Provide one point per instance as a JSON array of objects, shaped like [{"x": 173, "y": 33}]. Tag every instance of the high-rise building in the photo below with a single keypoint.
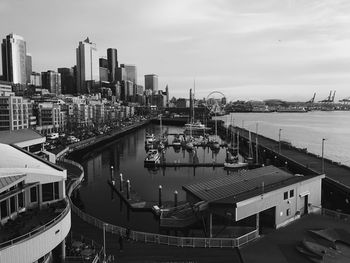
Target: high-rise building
[
  {"x": 35, "y": 79},
  {"x": 139, "y": 90},
  {"x": 14, "y": 55},
  {"x": 104, "y": 76},
  {"x": 51, "y": 80},
  {"x": 112, "y": 57},
  {"x": 88, "y": 70},
  {"x": 131, "y": 72},
  {"x": 151, "y": 82},
  {"x": 67, "y": 80},
  {"x": 28, "y": 67}
]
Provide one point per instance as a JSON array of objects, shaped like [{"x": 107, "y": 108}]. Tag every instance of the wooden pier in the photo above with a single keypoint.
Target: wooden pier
[{"x": 178, "y": 164}]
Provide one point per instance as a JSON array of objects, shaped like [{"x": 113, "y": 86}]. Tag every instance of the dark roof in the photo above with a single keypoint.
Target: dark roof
[
  {"x": 243, "y": 185},
  {"x": 17, "y": 136},
  {"x": 5, "y": 181}
]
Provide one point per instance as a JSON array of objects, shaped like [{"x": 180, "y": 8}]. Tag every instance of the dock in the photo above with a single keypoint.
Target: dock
[{"x": 177, "y": 164}]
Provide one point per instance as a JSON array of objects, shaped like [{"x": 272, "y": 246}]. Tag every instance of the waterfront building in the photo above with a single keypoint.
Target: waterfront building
[
  {"x": 27, "y": 139},
  {"x": 51, "y": 81},
  {"x": 151, "y": 82},
  {"x": 159, "y": 100},
  {"x": 35, "y": 214},
  {"x": 67, "y": 80},
  {"x": 88, "y": 73},
  {"x": 182, "y": 103},
  {"x": 14, "y": 113},
  {"x": 14, "y": 56},
  {"x": 268, "y": 195},
  {"x": 112, "y": 58},
  {"x": 48, "y": 117},
  {"x": 35, "y": 79}
]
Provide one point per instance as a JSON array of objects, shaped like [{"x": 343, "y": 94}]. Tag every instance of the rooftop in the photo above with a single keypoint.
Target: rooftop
[
  {"x": 8, "y": 181},
  {"x": 242, "y": 185},
  {"x": 19, "y": 136}
]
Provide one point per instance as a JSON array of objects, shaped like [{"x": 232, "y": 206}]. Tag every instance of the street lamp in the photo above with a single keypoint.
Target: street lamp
[
  {"x": 323, "y": 139},
  {"x": 279, "y": 140}
]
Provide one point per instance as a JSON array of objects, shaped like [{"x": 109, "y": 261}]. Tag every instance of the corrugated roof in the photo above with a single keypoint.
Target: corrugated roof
[
  {"x": 236, "y": 187},
  {"x": 17, "y": 136},
  {"x": 7, "y": 180}
]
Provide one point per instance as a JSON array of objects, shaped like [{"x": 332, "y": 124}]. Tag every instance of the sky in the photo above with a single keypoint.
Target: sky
[{"x": 250, "y": 50}]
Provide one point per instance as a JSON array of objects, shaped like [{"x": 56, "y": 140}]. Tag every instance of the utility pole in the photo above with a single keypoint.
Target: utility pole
[{"x": 323, "y": 139}]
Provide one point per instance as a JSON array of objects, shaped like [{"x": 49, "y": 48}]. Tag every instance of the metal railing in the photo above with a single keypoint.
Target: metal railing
[
  {"x": 38, "y": 230},
  {"x": 330, "y": 213},
  {"x": 165, "y": 239}
]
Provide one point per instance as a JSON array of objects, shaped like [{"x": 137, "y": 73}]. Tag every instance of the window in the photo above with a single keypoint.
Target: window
[
  {"x": 20, "y": 200},
  {"x": 291, "y": 193},
  {"x": 57, "y": 193},
  {"x": 12, "y": 204},
  {"x": 285, "y": 195},
  {"x": 4, "y": 212},
  {"x": 33, "y": 195},
  {"x": 288, "y": 212},
  {"x": 47, "y": 192}
]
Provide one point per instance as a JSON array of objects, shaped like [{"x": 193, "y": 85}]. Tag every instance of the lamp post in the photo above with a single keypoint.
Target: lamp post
[
  {"x": 279, "y": 140},
  {"x": 104, "y": 242},
  {"x": 323, "y": 139},
  {"x": 256, "y": 144}
]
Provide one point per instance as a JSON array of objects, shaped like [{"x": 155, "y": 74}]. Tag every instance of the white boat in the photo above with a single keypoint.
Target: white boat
[
  {"x": 234, "y": 165},
  {"x": 232, "y": 159},
  {"x": 176, "y": 141},
  {"x": 150, "y": 139},
  {"x": 152, "y": 157}
]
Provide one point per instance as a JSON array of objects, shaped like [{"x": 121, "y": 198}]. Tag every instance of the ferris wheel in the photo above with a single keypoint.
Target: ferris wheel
[{"x": 216, "y": 102}]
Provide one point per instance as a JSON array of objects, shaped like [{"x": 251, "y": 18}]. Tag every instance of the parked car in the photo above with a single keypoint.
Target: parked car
[
  {"x": 72, "y": 139},
  {"x": 52, "y": 136}
]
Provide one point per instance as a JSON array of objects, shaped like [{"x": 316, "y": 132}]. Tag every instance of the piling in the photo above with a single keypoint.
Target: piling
[
  {"x": 160, "y": 196},
  {"x": 128, "y": 189},
  {"x": 175, "y": 198},
  {"x": 121, "y": 182}
]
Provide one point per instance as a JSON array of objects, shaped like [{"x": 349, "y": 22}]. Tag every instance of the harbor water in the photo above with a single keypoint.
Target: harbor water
[{"x": 303, "y": 130}]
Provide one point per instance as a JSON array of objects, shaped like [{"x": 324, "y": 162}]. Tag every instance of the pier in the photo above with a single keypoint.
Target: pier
[
  {"x": 178, "y": 164},
  {"x": 336, "y": 185}
]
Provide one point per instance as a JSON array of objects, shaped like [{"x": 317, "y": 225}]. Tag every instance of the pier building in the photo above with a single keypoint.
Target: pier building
[{"x": 270, "y": 196}]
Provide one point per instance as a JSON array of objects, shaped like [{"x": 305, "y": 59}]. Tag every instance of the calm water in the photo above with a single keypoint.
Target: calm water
[
  {"x": 127, "y": 156},
  {"x": 304, "y": 130}
]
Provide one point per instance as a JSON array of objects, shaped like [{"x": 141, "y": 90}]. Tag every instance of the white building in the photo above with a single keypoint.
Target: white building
[
  {"x": 88, "y": 70},
  {"x": 34, "y": 212},
  {"x": 14, "y": 55}
]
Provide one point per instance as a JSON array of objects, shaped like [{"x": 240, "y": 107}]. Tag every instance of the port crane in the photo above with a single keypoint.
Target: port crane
[
  {"x": 312, "y": 100},
  {"x": 330, "y": 97}
]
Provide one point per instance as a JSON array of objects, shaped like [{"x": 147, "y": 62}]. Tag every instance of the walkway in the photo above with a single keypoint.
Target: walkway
[{"x": 333, "y": 170}]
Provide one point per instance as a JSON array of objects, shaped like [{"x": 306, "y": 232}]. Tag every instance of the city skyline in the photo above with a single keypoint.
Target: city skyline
[{"x": 247, "y": 50}]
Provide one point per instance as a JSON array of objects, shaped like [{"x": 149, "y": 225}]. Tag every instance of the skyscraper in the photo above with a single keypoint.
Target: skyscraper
[
  {"x": 112, "y": 57},
  {"x": 131, "y": 72},
  {"x": 14, "y": 53},
  {"x": 67, "y": 80},
  {"x": 88, "y": 71},
  {"x": 151, "y": 82},
  {"x": 51, "y": 80}
]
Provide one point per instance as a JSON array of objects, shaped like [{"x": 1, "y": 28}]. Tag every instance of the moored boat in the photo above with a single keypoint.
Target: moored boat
[{"x": 152, "y": 157}]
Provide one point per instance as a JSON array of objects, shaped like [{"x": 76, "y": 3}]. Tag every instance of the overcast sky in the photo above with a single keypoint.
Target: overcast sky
[{"x": 246, "y": 49}]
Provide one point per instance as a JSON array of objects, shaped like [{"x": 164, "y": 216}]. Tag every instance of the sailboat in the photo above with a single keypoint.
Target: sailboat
[
  {"x": 232, "y": 158},
  {"x": 214, "y": 144},
  {"x": 195, "y": 128}
]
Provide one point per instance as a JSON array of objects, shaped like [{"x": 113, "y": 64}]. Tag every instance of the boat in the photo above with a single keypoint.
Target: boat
[
  {"x": 195, "y": 128},
  {"x": 150, "y": 139},
  {"x": 177, "y": 141},
  {"x": 232, "y": 158},
  {"x": 152, "y": 157}
]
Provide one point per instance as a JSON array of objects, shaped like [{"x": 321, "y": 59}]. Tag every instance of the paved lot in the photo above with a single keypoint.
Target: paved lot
[{"x": 279, "y": 245}]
